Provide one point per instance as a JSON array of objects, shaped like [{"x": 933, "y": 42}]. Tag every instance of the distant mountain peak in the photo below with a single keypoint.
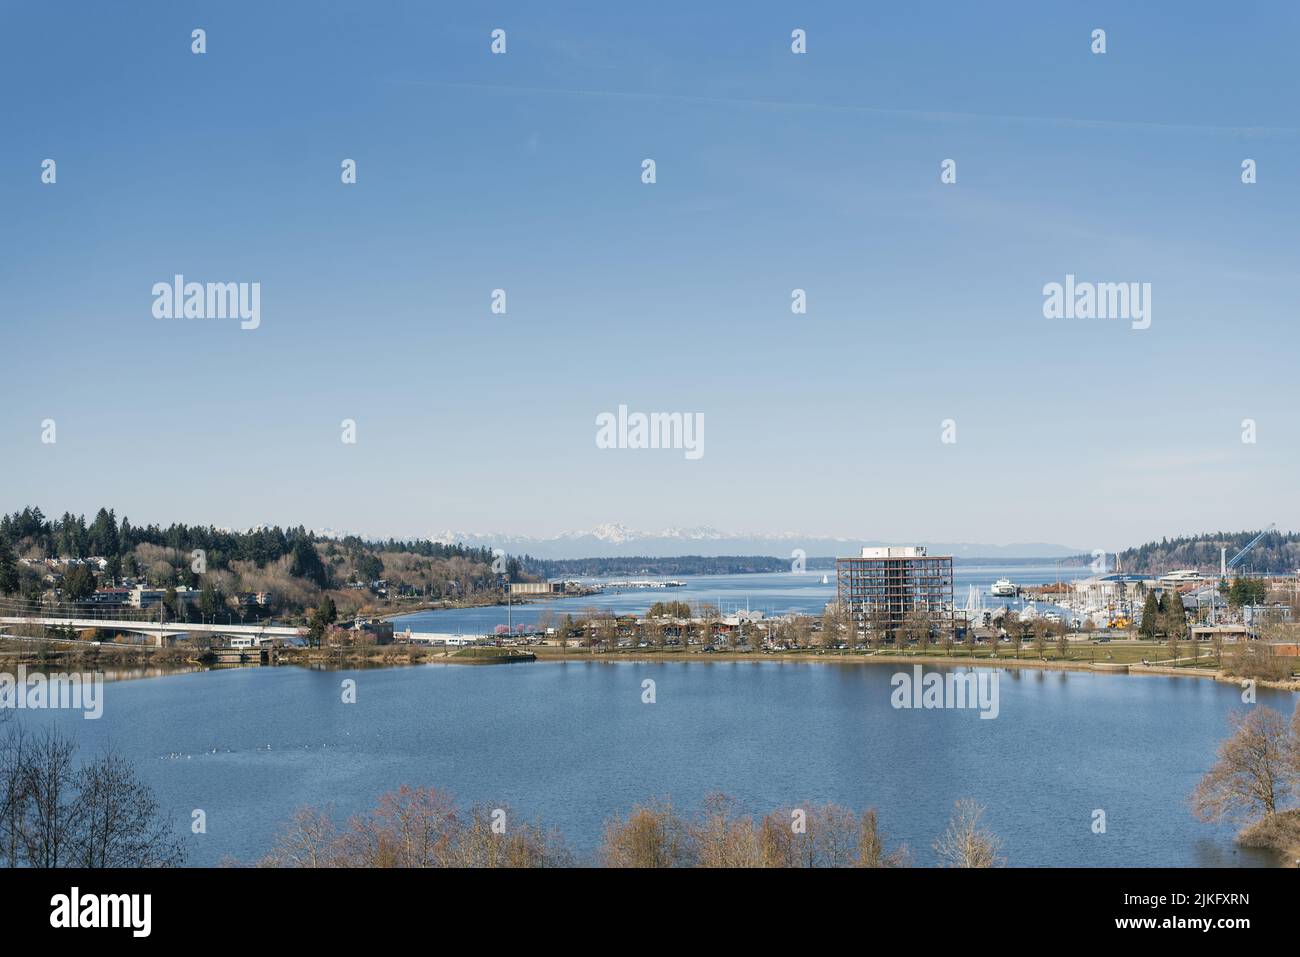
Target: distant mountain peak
[{"x": 614, "y": 539}]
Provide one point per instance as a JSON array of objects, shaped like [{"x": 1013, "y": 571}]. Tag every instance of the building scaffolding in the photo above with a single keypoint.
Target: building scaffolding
[{"x": 883, "y": 587}]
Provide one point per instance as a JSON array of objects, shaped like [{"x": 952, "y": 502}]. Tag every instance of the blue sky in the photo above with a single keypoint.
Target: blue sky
[{"x": 775, "y": 172}]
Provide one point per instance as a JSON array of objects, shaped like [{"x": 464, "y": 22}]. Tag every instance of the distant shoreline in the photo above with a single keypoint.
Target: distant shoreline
[
  {"x": 167, "y": 661},
  {"x": 548, "y": 655}
]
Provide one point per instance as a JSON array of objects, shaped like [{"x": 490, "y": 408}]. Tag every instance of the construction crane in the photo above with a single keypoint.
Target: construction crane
[{"x": 1225, "y": 563}]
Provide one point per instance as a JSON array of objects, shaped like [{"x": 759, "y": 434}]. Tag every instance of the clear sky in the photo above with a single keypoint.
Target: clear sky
[{"x": 775, "y": 171}]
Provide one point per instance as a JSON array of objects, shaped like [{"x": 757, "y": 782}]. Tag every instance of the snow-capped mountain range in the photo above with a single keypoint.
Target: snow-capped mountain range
[{"x": 616, "y": 540}]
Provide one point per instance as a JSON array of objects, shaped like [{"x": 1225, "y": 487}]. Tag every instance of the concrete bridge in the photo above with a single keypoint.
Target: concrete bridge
[{"x": 160, "y": 633}]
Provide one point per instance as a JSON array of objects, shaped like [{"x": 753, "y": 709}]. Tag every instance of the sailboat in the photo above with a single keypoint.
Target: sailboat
[{"x": 826, "y": 580}]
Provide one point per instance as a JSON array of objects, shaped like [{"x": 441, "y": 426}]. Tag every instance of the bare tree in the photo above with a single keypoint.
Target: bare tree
[
  {"x": 653, "y": 632},
  {"x": 417, "y": 828},
  {"x": 878, "y": 625},
  {"x": 1255, "y": 771},
  {"x": 916, "y": 627},
  {"x": 966, "y": 843},
  {"x": 871, "y": 845},
  {"x": 608, "y": 631},
  {"x": 410, "y": 827},
  {"x": 651, "y": 836},
  {"x": 1293, "y": 749},
  {"x": 810, "y": 835},
  {"x": 723, "y": 838},
  {"x": 491, "y": 838},
  {"x": 835, "y": 830},
  {"x": 546, "y": 620},
  {"x": 1175, "y": 647},
  {"x": 13, "y": 796},
  {"x": 801, "y": 629},
  {"x": 53, "y": 814},
  {"x": 1040, "y": 636},
  {"x": 47, "y": 811},
  {"x": 120, "y": 823},
  {"x": 831, "y": 620},
  {"x": 309, "y": 840}
]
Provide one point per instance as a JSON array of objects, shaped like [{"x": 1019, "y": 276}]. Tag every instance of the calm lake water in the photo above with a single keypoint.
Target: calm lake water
[{"x": 572, "y": 743}]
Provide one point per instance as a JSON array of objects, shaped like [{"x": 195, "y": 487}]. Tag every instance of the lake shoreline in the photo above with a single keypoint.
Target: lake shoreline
[
  {"x": 162, "y": 662},
  {"x": 877, "y": 659}
]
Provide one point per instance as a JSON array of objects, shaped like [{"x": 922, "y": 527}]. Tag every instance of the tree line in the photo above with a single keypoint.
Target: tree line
[
  {"x": 1163, "y": 614},
  {"x": 72, "y": 537},
  {"x": 426, "y": 827},
  {"x": 1276, "y": 552},
  {"x": 293, "y": 565}
]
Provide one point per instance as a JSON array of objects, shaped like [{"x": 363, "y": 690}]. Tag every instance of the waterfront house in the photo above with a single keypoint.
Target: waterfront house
[{"x": 376, "y": 630}]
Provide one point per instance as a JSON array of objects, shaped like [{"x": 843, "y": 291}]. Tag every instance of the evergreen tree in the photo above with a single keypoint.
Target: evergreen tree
[
  {"x": 1150, "y": 616},
  {"x": 210, "y": 602},
  {"x": 171, "y": 602},
  {"x": 103, "y": 540},
  {"x": 307, "y": 564},
  {"x": 1175, "y": 615},
  {"x": 325, "y": 615},
  {"x": 78, "y": 583},
  {"x": 369, "y": 567},
  {"x": 9, "y": 580}
]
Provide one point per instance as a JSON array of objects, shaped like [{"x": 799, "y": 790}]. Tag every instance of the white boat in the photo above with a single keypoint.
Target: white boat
[
  {"x": 826, "y": 580},
  {"x": 1003, "y": 588}
]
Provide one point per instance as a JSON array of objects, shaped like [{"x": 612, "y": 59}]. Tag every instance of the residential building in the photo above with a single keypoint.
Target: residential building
[
  {"x": 376, "y": 628},
  {"x": 884, "y": 586},
  {"x": 143, "y": 597}
]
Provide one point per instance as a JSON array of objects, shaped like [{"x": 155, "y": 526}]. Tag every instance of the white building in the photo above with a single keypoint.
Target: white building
[
  {"x": 1182, "y": 576},
  {"x": 437, "y": 638}
]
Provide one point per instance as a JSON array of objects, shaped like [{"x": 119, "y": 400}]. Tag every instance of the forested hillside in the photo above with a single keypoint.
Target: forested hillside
[
  {"x": 1276, "y": 553},
  {"x": 293, "y": 566}
]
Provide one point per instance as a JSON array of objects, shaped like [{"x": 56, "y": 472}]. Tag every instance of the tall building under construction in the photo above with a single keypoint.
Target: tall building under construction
[{"x": 884, "y": 586}]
